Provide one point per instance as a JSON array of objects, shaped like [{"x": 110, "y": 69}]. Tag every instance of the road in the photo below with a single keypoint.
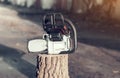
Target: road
[{"x": 15, "y": 61}]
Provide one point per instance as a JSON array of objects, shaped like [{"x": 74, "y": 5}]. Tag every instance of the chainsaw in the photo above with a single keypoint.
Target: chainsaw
[{"x": 60, "y": 36}]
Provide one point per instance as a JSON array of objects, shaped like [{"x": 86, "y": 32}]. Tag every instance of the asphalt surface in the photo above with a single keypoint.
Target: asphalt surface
[{"x": 15, "y": 61}]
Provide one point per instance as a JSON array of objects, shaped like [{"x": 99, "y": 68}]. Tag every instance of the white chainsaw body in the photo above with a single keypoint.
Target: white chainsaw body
[{"x": 52, "y": 47}]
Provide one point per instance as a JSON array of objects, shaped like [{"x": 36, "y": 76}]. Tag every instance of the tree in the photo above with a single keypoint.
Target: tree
[
  {"x": 108, "y": 7},
  {"x": 52, "y": 66}
]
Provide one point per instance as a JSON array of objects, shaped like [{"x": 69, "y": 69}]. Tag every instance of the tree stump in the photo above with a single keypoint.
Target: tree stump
[{"x": 52, "y": 66}]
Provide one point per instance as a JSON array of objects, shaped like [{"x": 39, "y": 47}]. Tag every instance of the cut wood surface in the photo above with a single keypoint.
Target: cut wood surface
[{"x": 52, "y": 66}]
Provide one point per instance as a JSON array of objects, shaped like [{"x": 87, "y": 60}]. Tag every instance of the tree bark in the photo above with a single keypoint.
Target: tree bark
[{"x": 52, "y": 66}]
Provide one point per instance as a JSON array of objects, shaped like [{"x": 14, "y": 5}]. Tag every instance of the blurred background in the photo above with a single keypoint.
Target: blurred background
[
  {"x": 98, "y": 32},
  {"x": 102, "y": 7}
]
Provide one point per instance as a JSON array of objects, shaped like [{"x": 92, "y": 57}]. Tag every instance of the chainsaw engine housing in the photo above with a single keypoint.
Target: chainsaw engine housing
[{"x": 58, "y": 38}]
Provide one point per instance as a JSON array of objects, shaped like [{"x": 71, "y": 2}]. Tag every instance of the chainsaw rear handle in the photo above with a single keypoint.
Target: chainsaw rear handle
[
  {"x": 74, "y": 34},
  {"x": 53, "y": 21}
]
